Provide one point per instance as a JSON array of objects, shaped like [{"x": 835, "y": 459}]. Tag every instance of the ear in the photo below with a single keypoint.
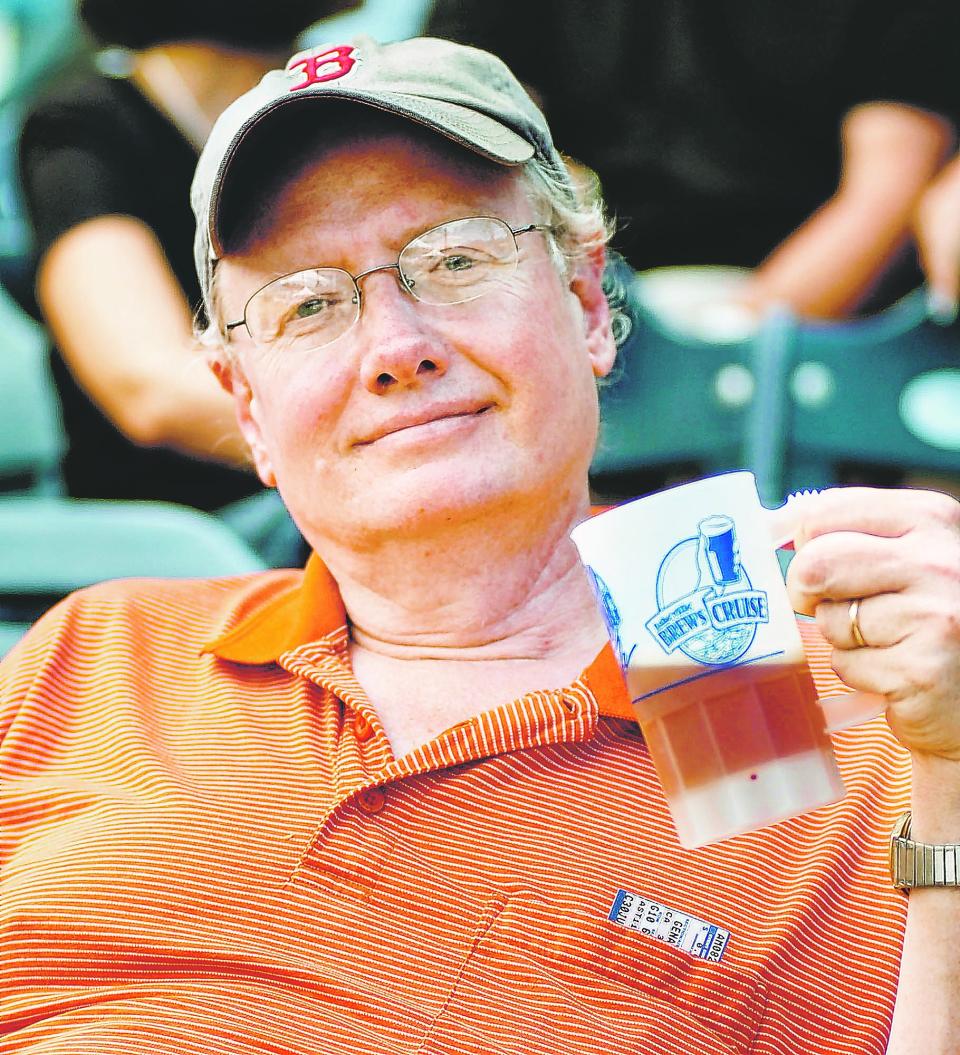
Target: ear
[
  {"x": 587, "y": 286},
  {"x": 233, "y": 380},
  {"x": 221, "y": 369}
]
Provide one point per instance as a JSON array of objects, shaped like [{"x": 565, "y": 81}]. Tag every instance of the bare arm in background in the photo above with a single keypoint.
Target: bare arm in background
[
  {"x": 124, "y": 327},
  {"x": 829, "y": 264},
  {"x": 937, "y": 230}
]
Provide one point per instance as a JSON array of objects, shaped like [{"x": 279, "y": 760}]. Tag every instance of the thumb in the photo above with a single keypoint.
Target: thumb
[{"x": 785, "y": 521}]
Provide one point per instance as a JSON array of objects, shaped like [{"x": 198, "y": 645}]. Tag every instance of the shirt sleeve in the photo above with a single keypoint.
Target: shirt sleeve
[{"x": 73, "y": 167}]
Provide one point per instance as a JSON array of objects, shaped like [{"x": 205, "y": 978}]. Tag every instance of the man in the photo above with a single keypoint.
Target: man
[{"x": 387, "y": 805}]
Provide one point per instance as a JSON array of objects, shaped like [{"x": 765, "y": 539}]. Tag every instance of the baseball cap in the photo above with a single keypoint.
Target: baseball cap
[{"x": 465, "y": 94}]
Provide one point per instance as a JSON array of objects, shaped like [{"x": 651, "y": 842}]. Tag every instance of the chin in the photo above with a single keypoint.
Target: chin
[{"x": 429, "y": 504}]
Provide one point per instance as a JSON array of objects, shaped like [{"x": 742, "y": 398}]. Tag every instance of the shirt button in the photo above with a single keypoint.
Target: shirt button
[
  {"x": 372, "y": 800},
  {"x": 362, "y": 729}
]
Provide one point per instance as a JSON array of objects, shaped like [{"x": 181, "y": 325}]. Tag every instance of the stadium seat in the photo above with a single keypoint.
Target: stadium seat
[
  {"x": 678, "y": 399},
  {"x": 862, "y": 398},
  {"x": 10, "y": 634},
  {"x": 800, "y": 403},
  {"x": 50, "y": 546}
]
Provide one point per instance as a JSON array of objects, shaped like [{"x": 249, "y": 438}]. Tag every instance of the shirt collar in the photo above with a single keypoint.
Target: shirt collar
[
  {"x": 311, "y": 608},
  {"x": 305, "y": 611}
]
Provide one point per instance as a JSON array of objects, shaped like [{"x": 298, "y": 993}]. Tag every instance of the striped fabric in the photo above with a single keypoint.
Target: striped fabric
[{"x": 210, "y": 849}]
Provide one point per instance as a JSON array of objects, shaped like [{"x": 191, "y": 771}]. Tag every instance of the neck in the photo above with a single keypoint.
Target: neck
[
  {"x": 194, "y": 82},
  {"x": 513, "y": 589}
]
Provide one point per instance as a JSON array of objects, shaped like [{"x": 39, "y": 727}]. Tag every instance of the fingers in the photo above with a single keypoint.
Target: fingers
[
  {"x": 844, "y": 565},
  {"x": 911, "y": 543},
  {"x": 874, "y": 670},
  {"x": 897, "y": 554},
  {"x": 884, "y": 620},
  {"x": 940, "y": 259},
  {"x": 912, "y": 645},
  {"x": 873, "y": 511},
  {"x": 937, "y": 229},
  {"x": 920, "y": 685}
]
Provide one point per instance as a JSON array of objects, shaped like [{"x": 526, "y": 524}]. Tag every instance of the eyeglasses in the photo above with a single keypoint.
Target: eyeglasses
[{"x": 452, "y": 263}]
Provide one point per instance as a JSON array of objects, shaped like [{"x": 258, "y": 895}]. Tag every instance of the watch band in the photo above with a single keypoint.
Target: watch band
[{"x": 914, "y": 864}]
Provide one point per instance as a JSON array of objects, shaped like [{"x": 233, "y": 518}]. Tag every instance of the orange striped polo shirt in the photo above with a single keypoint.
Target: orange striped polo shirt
[{"x": 210, "y": 848}]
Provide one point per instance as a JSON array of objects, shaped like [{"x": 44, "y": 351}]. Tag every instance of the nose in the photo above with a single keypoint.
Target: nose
[{"x": 402, "y": 351}]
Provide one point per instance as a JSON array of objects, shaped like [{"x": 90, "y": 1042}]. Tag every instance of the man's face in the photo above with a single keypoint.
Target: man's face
[{"x": 420, "y": 414}]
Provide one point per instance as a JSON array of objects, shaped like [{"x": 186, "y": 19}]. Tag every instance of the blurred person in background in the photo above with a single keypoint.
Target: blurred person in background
[
  {"x": 794, "y": 140},
  {"x": 105, "y": 164}
]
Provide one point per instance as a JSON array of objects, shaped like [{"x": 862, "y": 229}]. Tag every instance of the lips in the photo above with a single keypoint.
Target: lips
[{"x": 426, "y": 416}]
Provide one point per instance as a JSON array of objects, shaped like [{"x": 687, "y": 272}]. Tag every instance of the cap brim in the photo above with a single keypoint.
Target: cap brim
[{"x": 476, "y": 131}]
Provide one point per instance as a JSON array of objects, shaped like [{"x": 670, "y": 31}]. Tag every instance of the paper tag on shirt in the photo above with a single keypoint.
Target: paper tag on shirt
[{"x": 694, "y": 936}]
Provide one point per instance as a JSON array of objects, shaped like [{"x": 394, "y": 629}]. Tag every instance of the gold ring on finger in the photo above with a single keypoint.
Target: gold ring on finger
[{"x": 855, "y": 632}]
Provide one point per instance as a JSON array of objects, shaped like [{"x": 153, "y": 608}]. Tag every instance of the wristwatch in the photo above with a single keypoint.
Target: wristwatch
[{"x": 921, "y": 864}]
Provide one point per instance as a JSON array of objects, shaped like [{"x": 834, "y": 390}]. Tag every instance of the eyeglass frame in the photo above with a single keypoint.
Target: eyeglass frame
[{"x": 515, "y": 231}]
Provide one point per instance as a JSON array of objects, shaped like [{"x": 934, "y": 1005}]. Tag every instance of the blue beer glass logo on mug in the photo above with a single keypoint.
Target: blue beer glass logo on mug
[{"x": 707, "y": 607}]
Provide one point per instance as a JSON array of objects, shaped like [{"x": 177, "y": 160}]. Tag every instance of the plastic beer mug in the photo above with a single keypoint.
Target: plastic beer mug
[{"x": 693, "y": 597}]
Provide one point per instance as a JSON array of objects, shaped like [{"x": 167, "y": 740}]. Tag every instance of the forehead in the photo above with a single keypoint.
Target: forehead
[{"x": 387, "y": 171}]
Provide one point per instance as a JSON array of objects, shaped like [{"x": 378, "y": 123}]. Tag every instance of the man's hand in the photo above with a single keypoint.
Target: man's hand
[{"x": 898, "y": 552}]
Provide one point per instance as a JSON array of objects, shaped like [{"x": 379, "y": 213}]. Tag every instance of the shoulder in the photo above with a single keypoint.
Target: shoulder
[
  {"x": 198, "y": 608},
  {"x": 82, "y": 107},
  {"x": 143, "y": 631}
]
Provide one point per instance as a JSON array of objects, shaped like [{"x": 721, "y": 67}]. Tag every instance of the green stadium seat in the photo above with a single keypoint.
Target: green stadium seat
[
  {"x": 677, "y": 401},
  {"x": 50, "y": 546},
  {"x": 10, "y": 634},
  {"x": 869, "y": 398},
  {"x": 800, "y": 403}
]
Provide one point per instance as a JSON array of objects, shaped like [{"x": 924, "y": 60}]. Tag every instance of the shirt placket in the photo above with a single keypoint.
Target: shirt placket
[{"x": 363, "y": 765}]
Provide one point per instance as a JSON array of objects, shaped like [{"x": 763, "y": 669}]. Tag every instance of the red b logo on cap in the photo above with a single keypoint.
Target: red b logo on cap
[{"x": 320, "y": 66}]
